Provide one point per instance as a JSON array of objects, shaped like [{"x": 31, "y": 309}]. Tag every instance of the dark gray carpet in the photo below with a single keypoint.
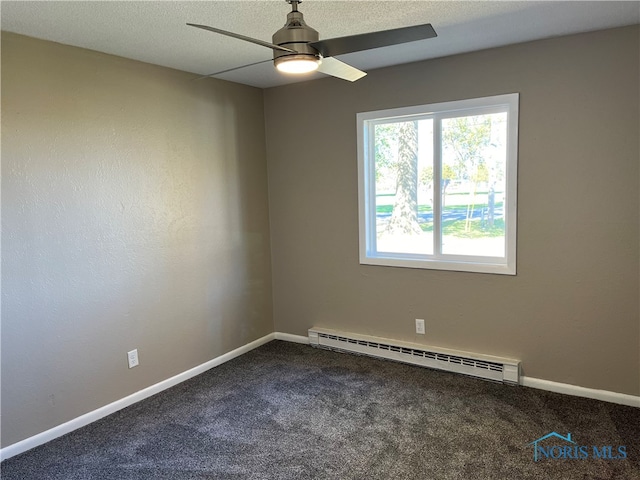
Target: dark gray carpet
[{"x": 289, "y": 411}]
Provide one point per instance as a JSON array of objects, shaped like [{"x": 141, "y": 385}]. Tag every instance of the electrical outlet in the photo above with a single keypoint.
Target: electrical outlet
[
  {"x": 132, "y": 356},
  {"x": 420, "y": 326}
]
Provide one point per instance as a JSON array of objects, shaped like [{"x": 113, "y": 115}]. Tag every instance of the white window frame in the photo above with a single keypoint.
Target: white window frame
[{"x": 366, "y": 186}]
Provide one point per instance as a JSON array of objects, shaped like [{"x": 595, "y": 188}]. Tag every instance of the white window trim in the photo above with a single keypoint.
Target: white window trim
[{"x": 366, "y": 181}]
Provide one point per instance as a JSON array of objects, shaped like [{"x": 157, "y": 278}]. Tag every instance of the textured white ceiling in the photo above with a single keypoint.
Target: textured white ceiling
[{"x": 155, "y": 31}]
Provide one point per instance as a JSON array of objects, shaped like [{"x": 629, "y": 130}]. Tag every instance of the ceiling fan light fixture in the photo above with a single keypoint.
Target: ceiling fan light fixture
[{"x": 297, "y": 64}]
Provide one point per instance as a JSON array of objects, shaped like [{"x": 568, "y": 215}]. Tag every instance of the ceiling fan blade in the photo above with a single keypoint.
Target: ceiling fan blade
[
  {"x": 336, "y": 68},
  {"x": 243, "y": 37},
  {"x": 232, "y": 69},
  {"x": 365, "y": 41}
]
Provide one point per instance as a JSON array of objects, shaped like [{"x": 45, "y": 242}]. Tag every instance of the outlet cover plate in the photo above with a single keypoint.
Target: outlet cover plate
[{"x": 132, "y": 357}]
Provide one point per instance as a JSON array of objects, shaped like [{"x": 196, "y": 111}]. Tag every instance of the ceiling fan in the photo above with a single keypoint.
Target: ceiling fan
[{"x": 297, "y": 48}]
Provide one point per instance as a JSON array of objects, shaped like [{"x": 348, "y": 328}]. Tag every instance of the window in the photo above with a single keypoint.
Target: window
[{"x": 437, "y": 185}]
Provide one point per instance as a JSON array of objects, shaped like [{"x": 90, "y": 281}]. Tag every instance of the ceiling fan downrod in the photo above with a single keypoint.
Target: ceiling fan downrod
[{"x": 294, "y": 4}]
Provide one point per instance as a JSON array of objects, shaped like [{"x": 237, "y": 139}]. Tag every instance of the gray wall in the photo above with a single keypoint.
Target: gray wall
[
  {"x": 134, "y": 215},
  {"x": 572, "y": 313}
]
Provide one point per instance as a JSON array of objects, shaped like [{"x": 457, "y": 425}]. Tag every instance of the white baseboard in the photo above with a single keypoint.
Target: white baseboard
[
  {"x": 288, "y": 337},
  {"x": 90, "y": 417},
  {"x": 87, "y": 418},
  {"x": 604, "y": 395}
]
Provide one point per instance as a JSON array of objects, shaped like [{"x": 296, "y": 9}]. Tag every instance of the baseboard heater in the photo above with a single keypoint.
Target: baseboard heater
[{"x": 478, "y": 365}]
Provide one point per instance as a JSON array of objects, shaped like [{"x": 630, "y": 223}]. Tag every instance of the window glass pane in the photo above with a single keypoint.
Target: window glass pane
[
  {"x": 404, "y": 186},
  {"x": 474, "y": 159}
]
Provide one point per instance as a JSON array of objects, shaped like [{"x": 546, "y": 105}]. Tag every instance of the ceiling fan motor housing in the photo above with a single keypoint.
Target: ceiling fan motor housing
[{"x": 296, "y": 35}]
